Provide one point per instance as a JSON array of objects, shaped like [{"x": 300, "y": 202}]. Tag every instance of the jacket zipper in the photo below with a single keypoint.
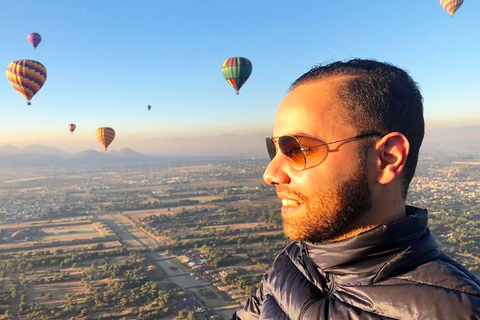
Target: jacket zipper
[
  {"x": 305, "y": 307},
  {"x": 328, "y": 279}
]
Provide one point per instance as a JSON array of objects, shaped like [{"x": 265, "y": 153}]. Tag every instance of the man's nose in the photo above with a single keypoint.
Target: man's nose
[{"x": 277, "y": 171}]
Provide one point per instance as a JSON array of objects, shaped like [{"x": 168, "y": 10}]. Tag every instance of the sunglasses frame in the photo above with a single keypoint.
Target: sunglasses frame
[{"x": 274, "y": 141}]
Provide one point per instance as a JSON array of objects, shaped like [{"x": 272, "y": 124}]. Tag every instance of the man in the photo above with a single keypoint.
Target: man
[{"x": 344, "y": 149}]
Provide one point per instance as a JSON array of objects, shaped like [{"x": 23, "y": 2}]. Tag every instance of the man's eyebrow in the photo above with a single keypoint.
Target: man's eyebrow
[{"x": 306, "y": 135}]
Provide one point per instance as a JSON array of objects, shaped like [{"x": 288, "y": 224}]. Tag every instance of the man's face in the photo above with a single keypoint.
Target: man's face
[{"x": 323, "y": 202}]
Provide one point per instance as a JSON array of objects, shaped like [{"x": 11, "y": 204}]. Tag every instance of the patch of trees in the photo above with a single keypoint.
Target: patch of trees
[
  {"x": 246, "y": 282},
  {"x": 64, "y": 260},
  {"x": 138, "y": 204},
  {"x": 216, "y": 257},
  {"x": 128, "y": 286}
]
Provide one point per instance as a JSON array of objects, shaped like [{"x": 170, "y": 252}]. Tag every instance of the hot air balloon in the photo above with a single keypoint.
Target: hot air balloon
[
  {"x": 71, "y": 127},
  {"x": 34, "y": 39},
  {"x": 451, "y": 5},
  {"x": 236, "y": 71},
  {"x": 105, "y": 136},
  {"x": 27, "y": 77},
  {"x": 149, "y": 107}
]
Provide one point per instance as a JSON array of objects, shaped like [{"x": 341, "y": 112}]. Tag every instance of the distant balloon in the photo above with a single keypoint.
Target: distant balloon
[
  {"x": 27, "y": 77},
  {"x": 34, "y": 39},
  {"x": 451, "y": 5},
  {"x": 71, "y": 127},
  {"x": 236, "y": 71},
  {"x": 105, "y": 136},
  {"x": 149, "y": 107}
]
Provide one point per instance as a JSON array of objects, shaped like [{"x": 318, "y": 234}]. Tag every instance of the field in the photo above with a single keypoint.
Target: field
[{"x": 74, "y": 265}]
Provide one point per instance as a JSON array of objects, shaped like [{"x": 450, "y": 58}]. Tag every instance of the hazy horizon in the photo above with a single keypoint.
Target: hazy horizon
[{"x": 242, "y": 143}]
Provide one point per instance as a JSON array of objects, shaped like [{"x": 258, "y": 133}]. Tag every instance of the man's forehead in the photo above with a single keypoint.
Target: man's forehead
[
  {"x": 321, "y": 91},
  {"x": 312, "y": 106}
]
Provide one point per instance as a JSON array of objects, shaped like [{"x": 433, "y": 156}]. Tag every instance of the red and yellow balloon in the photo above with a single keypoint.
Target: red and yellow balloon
[
  {"x": 105, "y": 136},
  {"x": 27, "y": 77},
  {"x": 451, "y": 6}
]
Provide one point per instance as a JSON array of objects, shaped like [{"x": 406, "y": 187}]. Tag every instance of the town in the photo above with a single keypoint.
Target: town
[{"x": 175, "y": 241}]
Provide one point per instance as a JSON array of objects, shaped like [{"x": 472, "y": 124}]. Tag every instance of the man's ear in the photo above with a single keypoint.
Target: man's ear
[{"x": 391, "y": 154}]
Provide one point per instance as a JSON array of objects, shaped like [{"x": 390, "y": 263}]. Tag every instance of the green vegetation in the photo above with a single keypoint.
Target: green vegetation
[
  {"x": 219, "y": 219},
  {"x": 124, "y": 285}
]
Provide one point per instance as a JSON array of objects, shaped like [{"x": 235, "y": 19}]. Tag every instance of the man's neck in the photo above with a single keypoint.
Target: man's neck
[{"x": 373, "y": 219}]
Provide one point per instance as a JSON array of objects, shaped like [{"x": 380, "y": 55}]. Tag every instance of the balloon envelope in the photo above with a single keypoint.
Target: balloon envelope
[
  {"x": 105, "y": 136},
  {"x": 71, "y": 127},
  {"x": 236, "y": 71},
  {"x": 149, "y": 107},
  {"x": 451, "y": 6},
  {"x": 34, "y": 39},
  {"x": 27, "y": 77}
]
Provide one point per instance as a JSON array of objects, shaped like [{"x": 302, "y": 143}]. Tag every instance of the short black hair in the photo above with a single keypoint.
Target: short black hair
[{"x": 378, "y": 97}]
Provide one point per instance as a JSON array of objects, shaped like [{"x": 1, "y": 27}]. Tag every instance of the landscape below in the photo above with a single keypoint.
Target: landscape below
[{"x": 173, "y": 239}]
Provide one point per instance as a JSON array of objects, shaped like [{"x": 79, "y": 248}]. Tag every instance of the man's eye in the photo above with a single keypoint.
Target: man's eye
[{"x": 294, "y": 151}]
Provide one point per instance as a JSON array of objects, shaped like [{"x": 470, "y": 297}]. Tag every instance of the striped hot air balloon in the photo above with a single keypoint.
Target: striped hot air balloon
[
  {"x": 236, "y": 71},
  {"x": 105, "y": 136},
  {"x": 34, "y": 39},
  {"x": 71, "y": 127},
  {"x": 27, "y": 77},
  {"x": 451, "y": 6}
]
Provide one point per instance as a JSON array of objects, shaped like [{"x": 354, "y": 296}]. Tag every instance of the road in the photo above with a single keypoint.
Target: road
[{"x": 134, "y": 237}]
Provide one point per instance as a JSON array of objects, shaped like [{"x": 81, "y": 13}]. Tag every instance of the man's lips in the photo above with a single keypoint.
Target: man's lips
[
  {"x": 289, "y": 199},
  {"x": 290, "y": 203}
]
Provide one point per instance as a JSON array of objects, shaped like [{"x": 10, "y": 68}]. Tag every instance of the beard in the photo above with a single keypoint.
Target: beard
[{"x": 332, "y": 214}]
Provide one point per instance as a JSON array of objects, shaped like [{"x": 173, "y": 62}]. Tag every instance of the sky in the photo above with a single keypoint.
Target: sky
[{"x": 107, "y": 60}]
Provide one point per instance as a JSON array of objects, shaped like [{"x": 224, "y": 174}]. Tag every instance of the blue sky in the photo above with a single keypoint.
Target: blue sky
[{"x": 107, "y": 60}]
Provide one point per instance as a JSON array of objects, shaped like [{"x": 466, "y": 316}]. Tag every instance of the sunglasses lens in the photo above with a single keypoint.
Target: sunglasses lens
[
  {"x": 317, "y": 155},
  {"x": 271, "y": 149},
  {"x": 292, "y": 150}
]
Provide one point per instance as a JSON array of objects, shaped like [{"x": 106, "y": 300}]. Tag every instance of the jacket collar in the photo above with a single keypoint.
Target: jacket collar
[{"x": 378, "y": 253}]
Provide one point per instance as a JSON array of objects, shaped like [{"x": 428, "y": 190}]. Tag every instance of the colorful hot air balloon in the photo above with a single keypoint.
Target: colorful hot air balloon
[
  {"x": 27, "y": 77},
  {"x": 236, "y": 71},
  {"x": 149, "y": 107},
  {"x": 71, "y": 127},
  {"x": 105, "y": 136},
  {"x": 451, "y": 5},
  {"x": 34, "y": 39}
]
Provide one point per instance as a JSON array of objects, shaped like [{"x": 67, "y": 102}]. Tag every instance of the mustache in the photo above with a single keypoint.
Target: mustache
[{"x": 289, "y": 191}]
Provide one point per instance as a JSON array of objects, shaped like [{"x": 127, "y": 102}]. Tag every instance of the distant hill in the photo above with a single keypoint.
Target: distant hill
[
  {"x": 88, "y": 155},
  {"x": 33, "y": 149},
  {"x": 9, "y": 149},
  {"x": 128, "y": 153},
  {"x": 38, "y": 149},
  {"x": 39, "y": 156}
]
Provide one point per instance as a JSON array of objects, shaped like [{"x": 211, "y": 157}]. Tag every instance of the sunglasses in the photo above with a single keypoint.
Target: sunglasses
[{"x": 300, "y": 151}]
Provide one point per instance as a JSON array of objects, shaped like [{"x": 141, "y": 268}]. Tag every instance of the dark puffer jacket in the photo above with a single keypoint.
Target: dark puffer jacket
[{"x": 393, "y": 271}]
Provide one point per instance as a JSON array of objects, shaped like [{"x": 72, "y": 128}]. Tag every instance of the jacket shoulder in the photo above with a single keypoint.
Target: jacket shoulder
[
  {"x": 439, "y": 289},
  {"x": 445, "y": 274}
]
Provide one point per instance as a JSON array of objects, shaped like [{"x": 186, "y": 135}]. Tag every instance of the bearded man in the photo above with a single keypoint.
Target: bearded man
[{"x": 344, "y": 149}]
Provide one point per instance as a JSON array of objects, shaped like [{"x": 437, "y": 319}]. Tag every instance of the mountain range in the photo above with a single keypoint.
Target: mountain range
[
  {"x": 188, "y": 150},
  {"x": 37, "y": 155}
]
